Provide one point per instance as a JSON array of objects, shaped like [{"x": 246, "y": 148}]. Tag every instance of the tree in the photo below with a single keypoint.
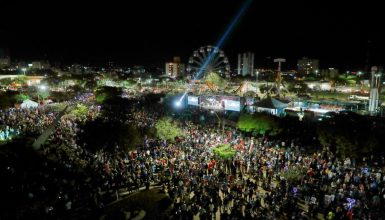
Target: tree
[
  {"x": 61, "y": 96},
  {"x": 298, "y": 88},
  {"x": 107, "y": 93},
  {"x": 76, "y": 88},
  {"x": 167, "y": 129},
  {"x": 349, "y": 136},
  {"x": 21, "y": 97},
  {"x": 6, "y": 82},
  {"x": 294, "y": 175},
  {"x": 79, "y": 111},
  {"x": 100, "y": 98},
  {"x": 43, "y": 95},
  {"x": 108, "y": 135},
  {"x": 224, "y": 151},
  {"x": 20, "y": 80},
  {"x": 259, "y": 124},
  {"x": 7, "y": 99},
  {"x": 215, "y": 81}
]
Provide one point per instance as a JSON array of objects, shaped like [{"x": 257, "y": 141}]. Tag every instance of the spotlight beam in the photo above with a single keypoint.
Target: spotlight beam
[{"x": 219, "y": 44}]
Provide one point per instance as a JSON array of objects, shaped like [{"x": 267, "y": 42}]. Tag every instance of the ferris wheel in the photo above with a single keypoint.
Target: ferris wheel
[{"x": 217, "y": 63}]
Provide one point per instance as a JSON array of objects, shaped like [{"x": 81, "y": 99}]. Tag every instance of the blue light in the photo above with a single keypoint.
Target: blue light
[
  {"x": 351, "y": 203},
  {"x": 219, "y": 44}
]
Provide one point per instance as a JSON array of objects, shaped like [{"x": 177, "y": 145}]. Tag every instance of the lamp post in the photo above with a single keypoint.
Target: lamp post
[
  {"x": 219, "y": 121},
  {"x": 24, "y": 69},
  {"x": 41, "y": 88}
]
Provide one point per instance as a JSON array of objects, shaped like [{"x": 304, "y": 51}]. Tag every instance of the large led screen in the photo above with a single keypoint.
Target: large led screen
[
  {"x": 212, "y": 102},
  {"x": 193, "y": 100},
  {"x": 232, "y": 103}
]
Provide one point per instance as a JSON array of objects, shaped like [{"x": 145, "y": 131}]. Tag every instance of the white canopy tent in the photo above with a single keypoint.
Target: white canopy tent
[{"x": 29, "y": 104}]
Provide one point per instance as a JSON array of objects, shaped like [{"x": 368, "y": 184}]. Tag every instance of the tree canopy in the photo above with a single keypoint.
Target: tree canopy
[
  {"x": 107, "y": 135},
  {"x": 21, "y": 97},
  {"x": 215, "y": 81},
  {"x": 167, "y": 129},
  {"x": 259, "y": 124},
  {"x": 106, "y": 94},
  {"x": 350, "y": 136},
  {"x": 79, "y": 111},
  {"x": 224, "y": 151}
]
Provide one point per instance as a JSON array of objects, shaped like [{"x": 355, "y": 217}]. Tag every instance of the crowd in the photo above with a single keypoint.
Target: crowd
[
  {"x": 8, "y": 133},
  {"x": 250, "y": 185},
  {"x": 26, "y": 121}
]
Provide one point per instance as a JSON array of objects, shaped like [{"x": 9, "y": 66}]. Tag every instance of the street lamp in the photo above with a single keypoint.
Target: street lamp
[
  {"x": 219, "y": 121},
  {"x": 41, "y": 88},
  {"x": 24, "y": 69}
]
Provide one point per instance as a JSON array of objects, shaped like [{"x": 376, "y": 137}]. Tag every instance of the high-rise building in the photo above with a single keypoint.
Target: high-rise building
[
  {"x": 330, "y": 73},
  {"x": 308, "y": 66},
  {"x": 175, "y": 68},
  {"x": 246, "y": 64},
  {"x": 40, "y": 65},
  {"x": 5, "y": 59},
  {"x": 375, "y": 87}
]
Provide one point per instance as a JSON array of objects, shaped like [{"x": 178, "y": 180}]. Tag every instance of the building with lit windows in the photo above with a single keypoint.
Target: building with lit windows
[
  {"x": 5, "y": 59},
  {"x": 174, "y": 69},
  {"x": 246, "y": 64},
  {"x": 40, "y": 65},
  {"x": 308, "y": 66}
]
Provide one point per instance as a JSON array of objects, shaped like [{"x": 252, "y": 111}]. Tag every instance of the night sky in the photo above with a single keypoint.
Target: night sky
[{"x": 152, "y": 32}]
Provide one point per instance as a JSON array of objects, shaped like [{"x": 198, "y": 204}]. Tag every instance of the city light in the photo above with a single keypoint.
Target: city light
[{"x": 123, "y": 111}]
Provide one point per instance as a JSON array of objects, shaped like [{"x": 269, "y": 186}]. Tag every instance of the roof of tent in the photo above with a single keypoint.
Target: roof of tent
[
  {"x": 29, "y": 104},
  {"x": 271, "y": 103}
]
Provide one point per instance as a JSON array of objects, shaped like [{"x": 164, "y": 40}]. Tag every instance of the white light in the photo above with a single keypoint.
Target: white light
[
  {"x": 177, "y": 104},
  {"x": 43, "y": 87}
]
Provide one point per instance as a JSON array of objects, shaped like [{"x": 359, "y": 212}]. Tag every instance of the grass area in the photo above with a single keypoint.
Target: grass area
[
  {"x": 154, "y": 202},
  {"x": 224, "y": 151},
  {"x": 320, "y": 95}
]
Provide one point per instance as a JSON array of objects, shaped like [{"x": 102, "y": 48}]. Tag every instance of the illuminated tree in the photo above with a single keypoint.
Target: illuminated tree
[
  {"x": 294, "y": 175},
  {"x": 20, "y": 80},
  {"x": 215, "y": 82},
  {"x": 224, "y": 151},
  {"x": 43, "y": 95},
  {"x": 21, "y": 97},
  {"x": 167, "y": 129},
  {"x": 259, "y": 124},
  {"x": 79, "y": 111}
]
